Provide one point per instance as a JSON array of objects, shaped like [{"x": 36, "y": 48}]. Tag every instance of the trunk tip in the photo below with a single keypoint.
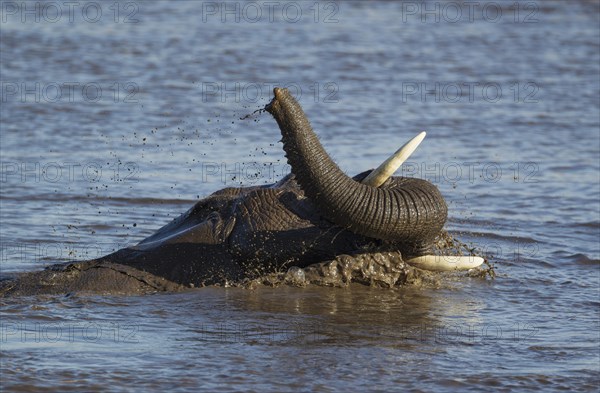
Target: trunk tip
[{"x": 278, "y": 93}]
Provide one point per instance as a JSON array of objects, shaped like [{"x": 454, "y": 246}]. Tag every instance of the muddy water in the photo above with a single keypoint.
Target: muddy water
[{"x": 116, "y": 117}]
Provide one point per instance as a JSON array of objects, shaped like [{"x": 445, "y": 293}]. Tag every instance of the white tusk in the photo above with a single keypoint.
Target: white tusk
[
  {"x": 389, "y": 166},
  {"x": 445, "y": 263}
]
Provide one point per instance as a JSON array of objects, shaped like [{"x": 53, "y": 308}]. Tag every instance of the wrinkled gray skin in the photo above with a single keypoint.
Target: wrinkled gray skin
[{"x": 314, "y": 215}]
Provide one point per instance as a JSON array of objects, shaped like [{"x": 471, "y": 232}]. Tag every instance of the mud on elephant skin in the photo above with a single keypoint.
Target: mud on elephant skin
[{"x": 332, "y": 228}]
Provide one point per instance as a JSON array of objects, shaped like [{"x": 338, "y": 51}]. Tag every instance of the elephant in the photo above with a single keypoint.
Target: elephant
[{"x": 317, "y": 220}]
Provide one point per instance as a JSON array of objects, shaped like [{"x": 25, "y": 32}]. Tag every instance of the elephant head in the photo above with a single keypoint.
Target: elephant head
[{"x": 314, "y": 215}]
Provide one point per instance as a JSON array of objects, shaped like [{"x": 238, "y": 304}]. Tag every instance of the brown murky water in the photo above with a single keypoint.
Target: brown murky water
[{"x": 115, "y": 122}]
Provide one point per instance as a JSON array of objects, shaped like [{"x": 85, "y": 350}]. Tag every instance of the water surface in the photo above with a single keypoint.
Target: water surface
[{"x": 110, "y": 129}]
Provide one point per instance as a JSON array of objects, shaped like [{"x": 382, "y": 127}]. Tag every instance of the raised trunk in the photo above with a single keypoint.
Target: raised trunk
[{"x": 413, "y": 212}]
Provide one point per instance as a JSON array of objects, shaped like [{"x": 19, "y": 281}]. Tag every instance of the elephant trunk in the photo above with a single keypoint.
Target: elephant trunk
[{"x": 410, "y": 212}]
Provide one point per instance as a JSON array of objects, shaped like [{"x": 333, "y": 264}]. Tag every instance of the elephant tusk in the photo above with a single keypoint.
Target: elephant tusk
[
  {"x": 389, "y": 166},
  {"x": 445, "y": 263}
]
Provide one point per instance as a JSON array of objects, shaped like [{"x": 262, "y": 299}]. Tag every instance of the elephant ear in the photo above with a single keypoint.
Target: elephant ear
[
  {"x": 413, "y": 214},
  {"x": 188, "y": 228}
]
